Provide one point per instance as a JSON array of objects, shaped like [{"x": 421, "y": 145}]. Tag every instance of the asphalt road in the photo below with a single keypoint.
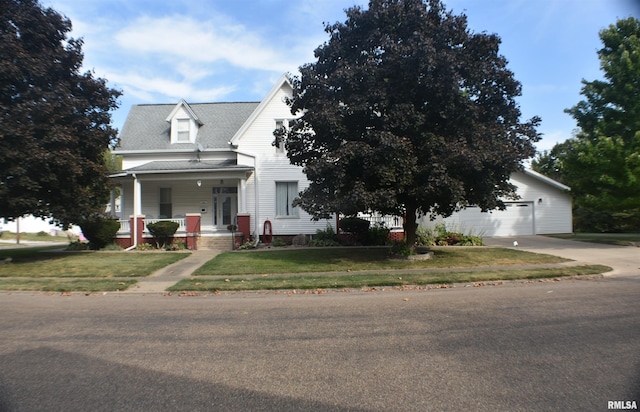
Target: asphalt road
[{"x": 552, "y": 346}]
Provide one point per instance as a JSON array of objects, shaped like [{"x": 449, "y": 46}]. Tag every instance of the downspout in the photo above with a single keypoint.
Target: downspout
[
  {"x": 257, "y": 200},
  {"x": 135, "y": 217}
]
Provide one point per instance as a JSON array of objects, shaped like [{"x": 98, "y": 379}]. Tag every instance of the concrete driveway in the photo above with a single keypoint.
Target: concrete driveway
[{"x": 625, "y": 260}]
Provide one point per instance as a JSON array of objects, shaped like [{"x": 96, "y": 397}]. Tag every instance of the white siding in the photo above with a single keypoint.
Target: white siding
[
  {"x": 552, "y": 205},
  {"x": 541, "y": 209},
  {"x": 272, "y": 167},
  {"x": 516, "y": 219}
]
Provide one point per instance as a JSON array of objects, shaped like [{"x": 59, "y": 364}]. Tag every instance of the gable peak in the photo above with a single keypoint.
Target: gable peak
[{"x": 182, "y": 104}]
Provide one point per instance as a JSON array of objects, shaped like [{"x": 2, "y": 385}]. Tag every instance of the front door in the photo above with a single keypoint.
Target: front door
[{"x": 225, "y": 206}]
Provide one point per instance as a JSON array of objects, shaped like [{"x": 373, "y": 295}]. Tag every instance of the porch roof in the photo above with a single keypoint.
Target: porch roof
[{"x": 185, "y": 166}]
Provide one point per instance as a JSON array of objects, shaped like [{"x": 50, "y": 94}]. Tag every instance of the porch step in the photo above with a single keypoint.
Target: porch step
[{"x": 222, "y": 242}]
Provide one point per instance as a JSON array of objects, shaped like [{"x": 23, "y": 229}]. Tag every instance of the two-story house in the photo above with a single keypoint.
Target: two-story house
[{"x": 208, "y": 166}]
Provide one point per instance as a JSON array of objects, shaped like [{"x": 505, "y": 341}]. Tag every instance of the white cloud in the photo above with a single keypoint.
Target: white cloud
[
  {"x": 144, "y": 88},
  {"x": 185, "y": 40}
]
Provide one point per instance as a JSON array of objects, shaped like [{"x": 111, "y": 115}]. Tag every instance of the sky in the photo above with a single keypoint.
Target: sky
[{"x": 161, "y": 51}]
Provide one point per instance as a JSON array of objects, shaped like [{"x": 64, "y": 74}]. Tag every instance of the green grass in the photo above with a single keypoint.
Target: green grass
[
  {"x": 337, "y": 281},
  {"x": 619, "y": 239},
  {"x": 344, "y": 259},
  {"x": 30, "y": 263},
  {"x": 40, "y": 237},
  {"x": 66, "y": 285}
]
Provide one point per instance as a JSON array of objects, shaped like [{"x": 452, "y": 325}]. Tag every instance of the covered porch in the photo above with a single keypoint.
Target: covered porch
[{"x": 203, "y": 198}]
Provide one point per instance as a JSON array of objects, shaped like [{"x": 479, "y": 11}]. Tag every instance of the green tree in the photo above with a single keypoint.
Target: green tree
[
  {"x": 54, "y": 120},
  {"x": 406, "y": 112},
  {"x": 601, "y": 163}
]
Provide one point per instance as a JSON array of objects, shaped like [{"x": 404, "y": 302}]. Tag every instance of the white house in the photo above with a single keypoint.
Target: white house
[
  {"x": 207, "y": 166},
  {"x": 544, "y": 207},
  {"x": 211, "y": 165}
]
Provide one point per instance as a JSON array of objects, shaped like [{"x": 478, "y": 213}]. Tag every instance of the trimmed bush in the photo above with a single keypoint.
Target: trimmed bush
[
  {"x": 356, "y": 226},
  {"x": 163, "y": 232},
  {"x": 100, "y": 231}
]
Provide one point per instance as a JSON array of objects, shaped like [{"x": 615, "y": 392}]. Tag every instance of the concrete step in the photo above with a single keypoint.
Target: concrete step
[{"x": 219, "y": 242}]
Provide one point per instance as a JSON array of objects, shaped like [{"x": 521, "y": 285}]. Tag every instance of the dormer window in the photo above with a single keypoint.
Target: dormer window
[{"x": 184, "y": 124}]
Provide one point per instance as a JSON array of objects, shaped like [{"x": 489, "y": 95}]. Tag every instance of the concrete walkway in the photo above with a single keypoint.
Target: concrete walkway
[
  {"x": 168, "y": 276},
  {"x": 625, "y": 260}
]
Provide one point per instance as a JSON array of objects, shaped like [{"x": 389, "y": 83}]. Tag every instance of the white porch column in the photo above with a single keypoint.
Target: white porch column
[
  {"x": 112, "y": 204},
  {"x": 243, "y": 195},
  {"x": 137, "y": 196}
]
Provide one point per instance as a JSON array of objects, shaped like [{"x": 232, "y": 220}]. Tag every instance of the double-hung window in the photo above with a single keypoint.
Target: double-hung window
[
  {"x": 285, "y": 193},
  {"x": 183, "y": 130},
  {"x": 165, "y": 203}
]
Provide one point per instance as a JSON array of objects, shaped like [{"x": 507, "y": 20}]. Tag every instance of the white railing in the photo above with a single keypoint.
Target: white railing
[
  {"x": 182, "y": 222},
  {"x": 391, "y": 222},
  {"x": 125, "y": 226}
]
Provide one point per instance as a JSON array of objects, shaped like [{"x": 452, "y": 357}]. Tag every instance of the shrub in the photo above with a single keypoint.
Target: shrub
[
  {"x": 100, "y": 231},
  {"x": 425, "y": 237},
  {"x": 325, "y": 237},
  {"x": 176, "y": 246},
  {"x": 145, "y": 246},
  {"x": 441, "y": 236},
  {"x": 378, "y": 235},
  {"x": 248, "y": 244},
  {"x": 78, "y": 245},
  {"x": 163, "y": 232},
  {"x": 400, "y": 249},
  {"x": 357, "y": 226}
]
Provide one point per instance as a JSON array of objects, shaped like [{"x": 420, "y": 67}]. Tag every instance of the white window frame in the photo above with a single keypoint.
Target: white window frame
[
  {"x": 183, "y": 130},
  {"x": 286, "y": 191}
]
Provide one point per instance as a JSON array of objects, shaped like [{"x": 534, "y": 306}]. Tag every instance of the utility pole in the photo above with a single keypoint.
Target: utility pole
[{"x": 18, "y": 231}]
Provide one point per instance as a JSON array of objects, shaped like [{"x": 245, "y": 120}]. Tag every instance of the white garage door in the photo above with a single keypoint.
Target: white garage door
[{"x": 516, "y": 220}]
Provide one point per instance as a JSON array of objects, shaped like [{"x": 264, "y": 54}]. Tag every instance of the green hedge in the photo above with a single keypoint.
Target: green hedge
[
  {"x": 100, "y": 231},
  {"x": 163, "y": 232}
]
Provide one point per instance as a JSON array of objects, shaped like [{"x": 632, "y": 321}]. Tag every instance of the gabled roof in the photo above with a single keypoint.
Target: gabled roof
[
  {"x": 284, "y": 79},
  {"x": 146, "y": 128},
  {"x": 546, "y": 179},
  {"x": 189, "y": 110}
]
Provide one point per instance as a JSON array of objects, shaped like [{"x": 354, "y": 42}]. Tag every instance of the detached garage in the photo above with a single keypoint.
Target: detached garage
[{"x": 544, "y": 207}]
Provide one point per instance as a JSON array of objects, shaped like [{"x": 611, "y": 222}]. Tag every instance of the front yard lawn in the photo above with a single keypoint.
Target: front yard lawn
[
  {"x": 341, "y": 280},
  {"x": 47, "y": 264},
  {"x": 306, "y": 260}
]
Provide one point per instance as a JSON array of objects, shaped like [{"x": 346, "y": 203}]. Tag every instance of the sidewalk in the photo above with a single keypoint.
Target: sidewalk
[{"x": 168, "y": 276}]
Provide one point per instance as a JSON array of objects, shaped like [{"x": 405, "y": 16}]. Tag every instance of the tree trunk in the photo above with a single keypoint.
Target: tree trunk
[{"x": 410, "y": 226}]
